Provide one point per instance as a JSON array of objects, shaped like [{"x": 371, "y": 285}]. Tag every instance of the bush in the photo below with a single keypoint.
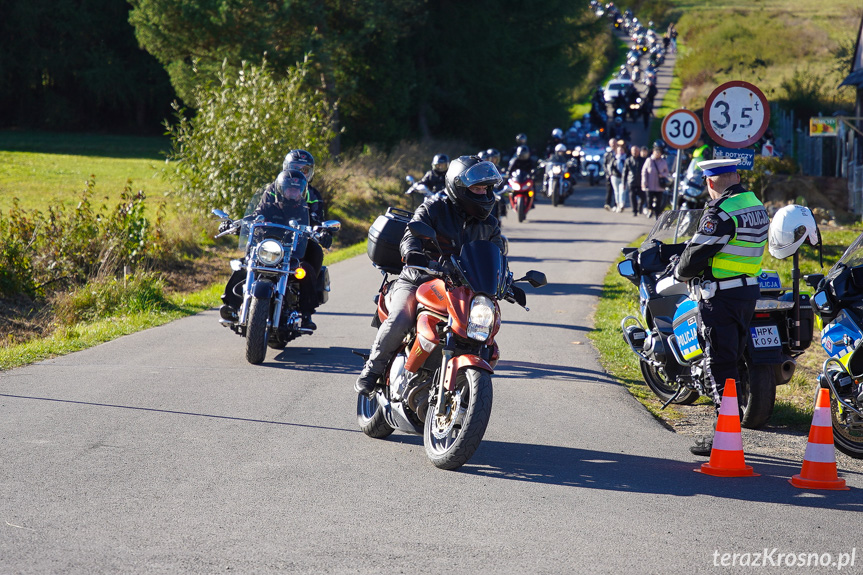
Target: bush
[
  {"x": 40, "y": 250},
  {"x": 242, "y": 130}
]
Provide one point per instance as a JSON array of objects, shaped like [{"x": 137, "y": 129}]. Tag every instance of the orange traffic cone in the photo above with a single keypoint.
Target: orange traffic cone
[
  {"x": 726, "y": 456},
  {"x": 819, "y": 461}
]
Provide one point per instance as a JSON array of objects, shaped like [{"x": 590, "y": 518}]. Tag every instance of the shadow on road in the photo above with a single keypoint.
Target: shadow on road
[
  {"x": 524, "y": 370},
  {"x": 571, "y": 467}
]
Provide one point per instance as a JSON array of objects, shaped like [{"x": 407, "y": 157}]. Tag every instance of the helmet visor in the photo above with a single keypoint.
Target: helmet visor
[
  {"x": 308, "y": 170},
  {"x": 481, "y": 174}
]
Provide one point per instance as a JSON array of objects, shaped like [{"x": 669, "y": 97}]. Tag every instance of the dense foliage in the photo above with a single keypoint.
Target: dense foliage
[
  {"x": 41, "y": 251},
  {"x": 67, "y": 64},
  {"x": 481, "y": 70},
  {"x": 244, "y": 126}
]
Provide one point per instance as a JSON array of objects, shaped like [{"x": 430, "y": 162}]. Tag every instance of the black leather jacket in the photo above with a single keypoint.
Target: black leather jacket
[
  {"x": 434, "y": 181},
  {"x": 454, "y": 228},
  {"x": 317, "y": 210}
]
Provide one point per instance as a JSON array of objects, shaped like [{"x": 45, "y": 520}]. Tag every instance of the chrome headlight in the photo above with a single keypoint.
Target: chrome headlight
[
  {"x": 481, "y": 318},
  {"x": 595, "y": 158},
  {"x": 555, "y": 170},
  {"x": 270, "y": 252}
]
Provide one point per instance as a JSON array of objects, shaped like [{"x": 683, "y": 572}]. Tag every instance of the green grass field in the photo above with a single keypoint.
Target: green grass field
[{"x": 42, "y": 169}]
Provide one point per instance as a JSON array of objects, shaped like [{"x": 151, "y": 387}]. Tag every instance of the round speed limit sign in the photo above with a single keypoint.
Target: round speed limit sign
[
  {"x": 681, "y": 129},
  {"x": 736, "y": 114}
]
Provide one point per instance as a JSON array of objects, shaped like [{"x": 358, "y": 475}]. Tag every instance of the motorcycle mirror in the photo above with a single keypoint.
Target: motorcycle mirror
[
  {"x": 422, "y": 231},
  {"x": 221, "y": 214},
  {"x": 626, "y": 268},
  {"x": 409, "y": 179},
  {"x": 260, "y": 218},
  {"x": 534, "y": 278},
  {"x": 333, "y": 225},
  {"x": 821, "y": 302},
  {"x": 812, "y": 280}
]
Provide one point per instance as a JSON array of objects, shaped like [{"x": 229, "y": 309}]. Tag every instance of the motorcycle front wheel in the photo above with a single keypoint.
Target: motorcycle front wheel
[
  {"x": 849, "y": 442},
  {"x": 370, "y": 417},
  {"x": 555, "y": 196},
  {"x": 256, "y": 330},
  {"x": 520, "y": 208},
  {"x": 452, "y": 438},
  {"x": 664, "y": 389}
]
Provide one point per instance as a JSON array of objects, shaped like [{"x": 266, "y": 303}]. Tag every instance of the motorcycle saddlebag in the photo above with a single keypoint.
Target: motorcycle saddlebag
[
  {"x": 385, "y": 235},
  {"x": 323, "y": 286}
]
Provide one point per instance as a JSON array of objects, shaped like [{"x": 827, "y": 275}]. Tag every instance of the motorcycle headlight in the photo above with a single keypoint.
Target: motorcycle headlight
[
  {"x": 595, "y": 158},
  {"x": 555, "y": 170},
  {"x": 270, "y": 252},
  {"x": 481, "y": 318}
]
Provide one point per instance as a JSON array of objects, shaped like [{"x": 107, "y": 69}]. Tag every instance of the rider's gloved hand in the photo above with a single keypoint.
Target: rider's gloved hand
[
  {"x": 417, "y": 259},
  {"x": 326, "y": 240},
  {"x": 225, "y": 226}
]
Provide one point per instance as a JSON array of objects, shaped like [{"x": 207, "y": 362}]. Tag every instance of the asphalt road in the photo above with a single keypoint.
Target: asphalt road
[{"x": 165, "y": 452}]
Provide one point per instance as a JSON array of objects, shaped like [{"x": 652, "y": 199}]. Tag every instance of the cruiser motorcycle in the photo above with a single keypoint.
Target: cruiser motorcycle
[
  {"x": 439, "y": 385},
  {"x": 838, "y": 303},
  {"x": 557, "y": 181},
  {"x": 269, "y": 315},
  {"x": 666, "y": 338}
]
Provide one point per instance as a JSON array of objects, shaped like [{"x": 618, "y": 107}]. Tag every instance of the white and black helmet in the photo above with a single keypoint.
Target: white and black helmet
[
  {"x": 465, "y": 172},
  {"x": 300, "y": 160},
  {"x": 440, "y": 163},
  {"x": 560, "y": 149},
  {"x": 557, "y": 134},
  {"x": 790, "y": 227}
]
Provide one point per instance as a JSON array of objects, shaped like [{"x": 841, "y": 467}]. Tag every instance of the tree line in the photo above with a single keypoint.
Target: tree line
[{"x": 389, "y": 69}]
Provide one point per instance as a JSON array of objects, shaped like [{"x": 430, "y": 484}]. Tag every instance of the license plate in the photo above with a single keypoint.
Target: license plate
[{"x": 765, "y": 336}]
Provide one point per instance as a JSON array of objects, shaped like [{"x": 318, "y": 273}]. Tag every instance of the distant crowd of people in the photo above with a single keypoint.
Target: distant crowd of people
[{"x": 639, "y": 174}]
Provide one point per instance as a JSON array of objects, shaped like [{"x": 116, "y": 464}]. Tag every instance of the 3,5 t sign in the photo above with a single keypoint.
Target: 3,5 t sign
[{"x": 736, "y": 114}]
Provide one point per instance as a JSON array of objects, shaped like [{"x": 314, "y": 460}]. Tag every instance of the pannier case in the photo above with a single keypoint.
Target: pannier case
[{"x": 385, "y": 235}]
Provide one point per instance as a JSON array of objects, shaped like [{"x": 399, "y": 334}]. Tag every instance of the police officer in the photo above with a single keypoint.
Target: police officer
[{"x": 725, "y": 253}]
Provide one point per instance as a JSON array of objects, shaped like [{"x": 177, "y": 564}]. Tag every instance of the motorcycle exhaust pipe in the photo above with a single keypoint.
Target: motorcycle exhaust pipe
[{"x": 786, "y": 371}]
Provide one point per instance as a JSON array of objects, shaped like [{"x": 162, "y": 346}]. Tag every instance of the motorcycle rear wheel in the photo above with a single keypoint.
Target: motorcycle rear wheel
[
  {"x": 662, "y": 388},
  {"x": 452, "y": 439},
  {"x": 256, "y": 332},
  {"x": 756, "y": 393},
  {"x": 848, "y": 442},
  {"x": 370, "y": 417}
]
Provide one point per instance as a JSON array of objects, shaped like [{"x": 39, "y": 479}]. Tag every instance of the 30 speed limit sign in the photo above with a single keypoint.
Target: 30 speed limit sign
[
  {"x": 680, "y": 129},
  {"x": 736, "y": 114}
]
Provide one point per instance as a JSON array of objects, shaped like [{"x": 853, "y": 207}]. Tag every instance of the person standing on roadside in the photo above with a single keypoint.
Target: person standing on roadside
[
  {"x": 607, "y": 159},
  {"x": 725, "y": 254},
  {"x": 617, "y": 176},
  {"x": 632, "y": 178},
  {"x": 652, "y": 174}
]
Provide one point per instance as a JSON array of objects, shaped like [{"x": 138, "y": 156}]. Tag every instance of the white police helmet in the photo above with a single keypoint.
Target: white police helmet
[{"x": 790, "y": 227}]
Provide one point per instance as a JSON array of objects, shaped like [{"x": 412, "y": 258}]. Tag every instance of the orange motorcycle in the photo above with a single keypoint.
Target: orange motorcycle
[{"x": 439, "y": 383}]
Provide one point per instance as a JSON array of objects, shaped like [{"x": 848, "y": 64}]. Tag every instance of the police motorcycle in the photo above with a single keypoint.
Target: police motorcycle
[
  {"x": 666, "y": 338},
  {"x": 439, "y": 384},
  {"x": 557, "y": 181},
  {"x": 838, "y": 303},
  {"x": 692, "y": 192},
  {"x": 269, "y": 315}
]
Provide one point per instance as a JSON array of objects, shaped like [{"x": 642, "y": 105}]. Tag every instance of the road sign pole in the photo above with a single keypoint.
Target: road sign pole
[{"x": 676, "y": 180}]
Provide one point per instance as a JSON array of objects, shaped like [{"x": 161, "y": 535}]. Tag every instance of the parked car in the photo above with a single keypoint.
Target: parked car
[{"x": 615, "y": 87}]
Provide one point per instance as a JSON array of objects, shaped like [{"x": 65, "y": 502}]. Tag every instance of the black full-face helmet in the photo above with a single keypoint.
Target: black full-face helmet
[
  {"x": 440, "y": 163},
  {"x": 300, "y": 160},
  {"x": 291, "y": 186},
  {"x": 521, "y": 139},
  {"x": 523, "y": 153},
  {"x": 493, "y": 156},
  {"x": 465, "y": 172}
]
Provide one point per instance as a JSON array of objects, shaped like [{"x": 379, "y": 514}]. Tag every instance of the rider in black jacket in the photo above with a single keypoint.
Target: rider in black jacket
[
  {"x": 464, "y": 215},
  {"x": 434, "y": 179},
  {"x": 521, "y": 160}
]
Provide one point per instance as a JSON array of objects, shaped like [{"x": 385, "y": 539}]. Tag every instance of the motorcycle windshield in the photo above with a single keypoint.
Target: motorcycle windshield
[
  {"x": 483, "y": 267},
  {"x": 293, "y": 212},
  {"x": 673, "y": 227},
  {"x": 852, "y": 257}
]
